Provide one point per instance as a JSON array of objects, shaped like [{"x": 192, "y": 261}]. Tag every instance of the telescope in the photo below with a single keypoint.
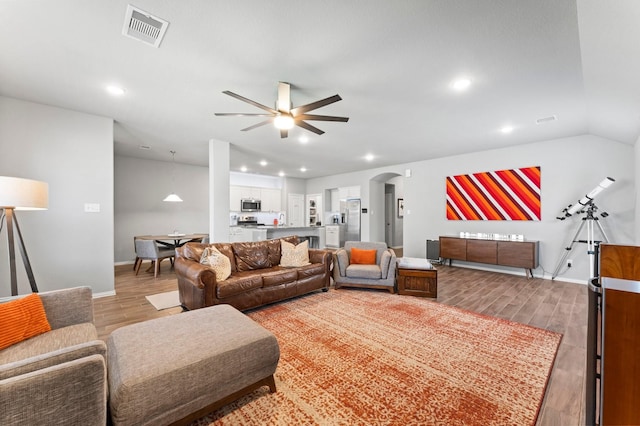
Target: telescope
[{"x": 587, "y": 199}]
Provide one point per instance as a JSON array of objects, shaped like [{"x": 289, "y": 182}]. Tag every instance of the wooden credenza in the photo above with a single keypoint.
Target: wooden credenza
[{"x": 518, "y": 254}]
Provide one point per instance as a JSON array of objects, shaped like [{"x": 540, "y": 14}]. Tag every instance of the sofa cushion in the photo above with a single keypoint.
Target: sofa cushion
[
  {"x": 294, "y": 256},
  {"x": 363, "y": 257},
  {"x": 217, "y": 262},
  {"x": 22, "y": 319},
  {"x": 277, "y": 276},
  {"x": 364, "y": 271},
  {"x": 311, "y": 270},
  {"x": 191, "y": 251},
  {"x": 274, "y": 248},
  {"x": 49, "y": 341},
  {"x": 227, "y": 250},
  {"x": 240, "y": 282},
  {"x": 251, "y": 255}
]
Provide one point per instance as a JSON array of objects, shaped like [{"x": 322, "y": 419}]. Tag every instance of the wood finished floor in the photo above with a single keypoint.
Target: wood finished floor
[{"x": 553, "y": 305}]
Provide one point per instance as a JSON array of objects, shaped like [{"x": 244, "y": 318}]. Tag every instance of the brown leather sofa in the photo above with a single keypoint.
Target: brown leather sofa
[{"x": 256, "y": 277}]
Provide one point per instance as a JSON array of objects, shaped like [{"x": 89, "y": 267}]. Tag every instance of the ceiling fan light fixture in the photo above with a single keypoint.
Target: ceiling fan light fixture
[{"x": 283, "y": 122}]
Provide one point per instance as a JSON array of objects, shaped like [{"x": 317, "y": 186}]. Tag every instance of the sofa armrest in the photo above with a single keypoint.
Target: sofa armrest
[
  {"x": 319, "y": 256},
  {"x": 342, "y": 260},
  {"x": 71, "y": 393},
  {"x": 388, "y": 263},
  {"x": 197, "y": 274},
  {"x": 68, "y": 306},
  {"x": 39, "y": 362}
]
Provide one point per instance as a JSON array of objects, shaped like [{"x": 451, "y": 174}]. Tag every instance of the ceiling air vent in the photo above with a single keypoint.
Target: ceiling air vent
[
  {"x": 143, "y": 26},
  {"x": 546, "y": 119}
]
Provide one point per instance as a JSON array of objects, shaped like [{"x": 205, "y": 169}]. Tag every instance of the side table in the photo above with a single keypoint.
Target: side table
[{"x": 417, "y": 277}]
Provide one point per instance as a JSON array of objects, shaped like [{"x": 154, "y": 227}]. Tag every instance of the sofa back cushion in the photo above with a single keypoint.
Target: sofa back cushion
[
  {"x": 251, "y": 255},
  {"x": 22, "y": 319},
  {"x": 227, "y": 250},
  {"x": 275, "y": 252},
  {"x": 193, "y": 251}
]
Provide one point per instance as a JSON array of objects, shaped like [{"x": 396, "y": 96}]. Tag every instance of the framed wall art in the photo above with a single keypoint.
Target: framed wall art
[{"x": 500, "y": 195}]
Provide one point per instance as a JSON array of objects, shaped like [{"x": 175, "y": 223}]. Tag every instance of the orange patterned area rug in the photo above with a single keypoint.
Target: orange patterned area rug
[{"x": 359, "y": 357}]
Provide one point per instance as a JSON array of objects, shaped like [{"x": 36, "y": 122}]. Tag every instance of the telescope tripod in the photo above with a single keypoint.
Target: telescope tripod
[{"x": 591, "y": 221}]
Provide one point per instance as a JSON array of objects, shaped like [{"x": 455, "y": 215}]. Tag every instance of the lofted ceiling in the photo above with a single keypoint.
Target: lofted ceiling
[{"x": 392, "y": 62}]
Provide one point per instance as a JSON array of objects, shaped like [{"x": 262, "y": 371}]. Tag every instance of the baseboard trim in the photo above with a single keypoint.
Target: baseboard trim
[{"x": 104, "y": 294}]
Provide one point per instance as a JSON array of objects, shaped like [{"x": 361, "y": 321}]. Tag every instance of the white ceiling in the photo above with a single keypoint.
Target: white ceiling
[{"x": 391, "y": 61}]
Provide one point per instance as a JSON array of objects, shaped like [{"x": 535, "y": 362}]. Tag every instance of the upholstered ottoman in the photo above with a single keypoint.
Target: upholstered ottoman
[{"x": 180, "y": 367}]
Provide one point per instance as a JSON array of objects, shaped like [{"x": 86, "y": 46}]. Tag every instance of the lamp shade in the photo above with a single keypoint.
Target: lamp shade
[
  {"x": 173, "y": 198},
  {"x": 23, "y": 194}
]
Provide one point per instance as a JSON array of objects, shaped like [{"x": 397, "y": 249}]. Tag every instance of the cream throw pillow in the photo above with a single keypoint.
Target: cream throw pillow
[
  {"x": 294, "y": 256},
  {"x": 218, "y": 262}
]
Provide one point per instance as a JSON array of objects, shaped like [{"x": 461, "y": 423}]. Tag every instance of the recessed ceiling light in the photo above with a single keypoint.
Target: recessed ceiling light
[
  {"x": 461, "y": 84},
  {"x": 303, "y": 139},
  {"x": 263, "y": 163},
  {"x": 303, "y": 169},
  {"x": 281, "y": 174},
  {"x": 243, "y": 168},
  {"x": 369, "y": 157},
  {"x": 507, "y": 129},
  {"x": 115, "y": 90}
]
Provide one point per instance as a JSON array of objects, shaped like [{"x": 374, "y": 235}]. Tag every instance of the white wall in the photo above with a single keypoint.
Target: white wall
[
  {"x": 73, "y": 153},
  {"x": 637, "y": 194},
  {"x": 570, "y": 167},
  {"x": 140, "y": 187}
]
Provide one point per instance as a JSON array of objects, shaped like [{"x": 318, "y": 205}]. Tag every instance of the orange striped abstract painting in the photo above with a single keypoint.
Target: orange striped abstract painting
[{"x": 500, "y": 195}]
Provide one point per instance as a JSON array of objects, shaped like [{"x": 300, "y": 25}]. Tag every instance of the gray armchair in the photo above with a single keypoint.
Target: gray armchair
[
  {"x": 59, "y": 377},
  {"x": 381, "y": 275},
  {"x": 149, "y": 250}
]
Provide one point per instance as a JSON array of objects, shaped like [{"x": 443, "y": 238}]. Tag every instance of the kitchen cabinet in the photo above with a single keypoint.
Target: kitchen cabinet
[
  {"x": 332, "y": 237},
  {"x": 348, "y": 192},
  {"x": 270, "y": 197},
  {"x": 239, "y": 234},
  {"x": 271, "y": 201}
]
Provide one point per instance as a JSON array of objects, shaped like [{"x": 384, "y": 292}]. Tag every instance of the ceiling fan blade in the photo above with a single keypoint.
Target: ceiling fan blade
[
  {"x": 262, "y": 123},
  {"x": 315, "y": 105},
  {"x": 284, "y": 133},
  {"x": 284, "y": 97},
  {"x": 249, "y": 101},
  {"x": 241, "y": 114},
  {"x": 322, "y": 118},
  {"x": 308, "y": 127}
]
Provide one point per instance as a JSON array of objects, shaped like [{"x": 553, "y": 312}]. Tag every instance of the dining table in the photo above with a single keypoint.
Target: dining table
[{"x": 173, "y": 240}]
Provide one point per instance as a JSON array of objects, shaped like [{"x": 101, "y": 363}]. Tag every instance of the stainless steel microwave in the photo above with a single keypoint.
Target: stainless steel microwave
[{"x": 250, "y": 205}]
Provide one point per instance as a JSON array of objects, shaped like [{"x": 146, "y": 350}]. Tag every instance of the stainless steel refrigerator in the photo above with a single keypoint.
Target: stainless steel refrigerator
[{"x": 352, "y": 232}]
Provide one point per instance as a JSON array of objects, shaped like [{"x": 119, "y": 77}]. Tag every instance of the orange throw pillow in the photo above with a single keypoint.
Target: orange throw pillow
[
  {"x": 363, "y": 257},
  {"x": 21, "y": 319}
]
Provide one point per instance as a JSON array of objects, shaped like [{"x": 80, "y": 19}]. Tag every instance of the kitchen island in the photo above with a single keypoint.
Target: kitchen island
[{"x": 316, "y": 232}]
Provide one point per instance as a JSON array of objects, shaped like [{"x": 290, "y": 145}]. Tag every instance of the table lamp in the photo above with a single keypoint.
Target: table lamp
[{"x": 20, "y": 194}]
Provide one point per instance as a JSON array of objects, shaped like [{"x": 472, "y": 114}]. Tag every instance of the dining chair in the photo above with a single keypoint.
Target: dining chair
[{"x": 149, "y": 250}]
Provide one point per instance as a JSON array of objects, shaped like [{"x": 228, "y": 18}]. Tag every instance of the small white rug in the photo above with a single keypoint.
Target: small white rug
[{"x": 164, "y": 300}]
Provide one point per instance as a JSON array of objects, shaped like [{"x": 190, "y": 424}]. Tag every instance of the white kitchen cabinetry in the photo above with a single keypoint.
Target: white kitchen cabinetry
[
  {"x": 346, "y": 192},
  {"x": 236, "y": 234},
  {"x": 270, "y": 197},
  {"x": 239, "y": 234},
  {"x": 271, "y": 201},
  {"x": 332, "y": 238}
]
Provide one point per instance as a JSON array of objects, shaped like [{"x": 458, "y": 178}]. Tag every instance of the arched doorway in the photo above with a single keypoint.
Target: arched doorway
[{"x": 385, "y": 190}]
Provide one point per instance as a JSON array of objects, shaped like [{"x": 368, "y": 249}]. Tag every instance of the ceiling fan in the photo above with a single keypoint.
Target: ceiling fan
[{"x": 284, "y": 116}]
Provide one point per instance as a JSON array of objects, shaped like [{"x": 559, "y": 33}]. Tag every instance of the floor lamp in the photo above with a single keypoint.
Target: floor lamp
[{"x": 20, "y": 194}]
